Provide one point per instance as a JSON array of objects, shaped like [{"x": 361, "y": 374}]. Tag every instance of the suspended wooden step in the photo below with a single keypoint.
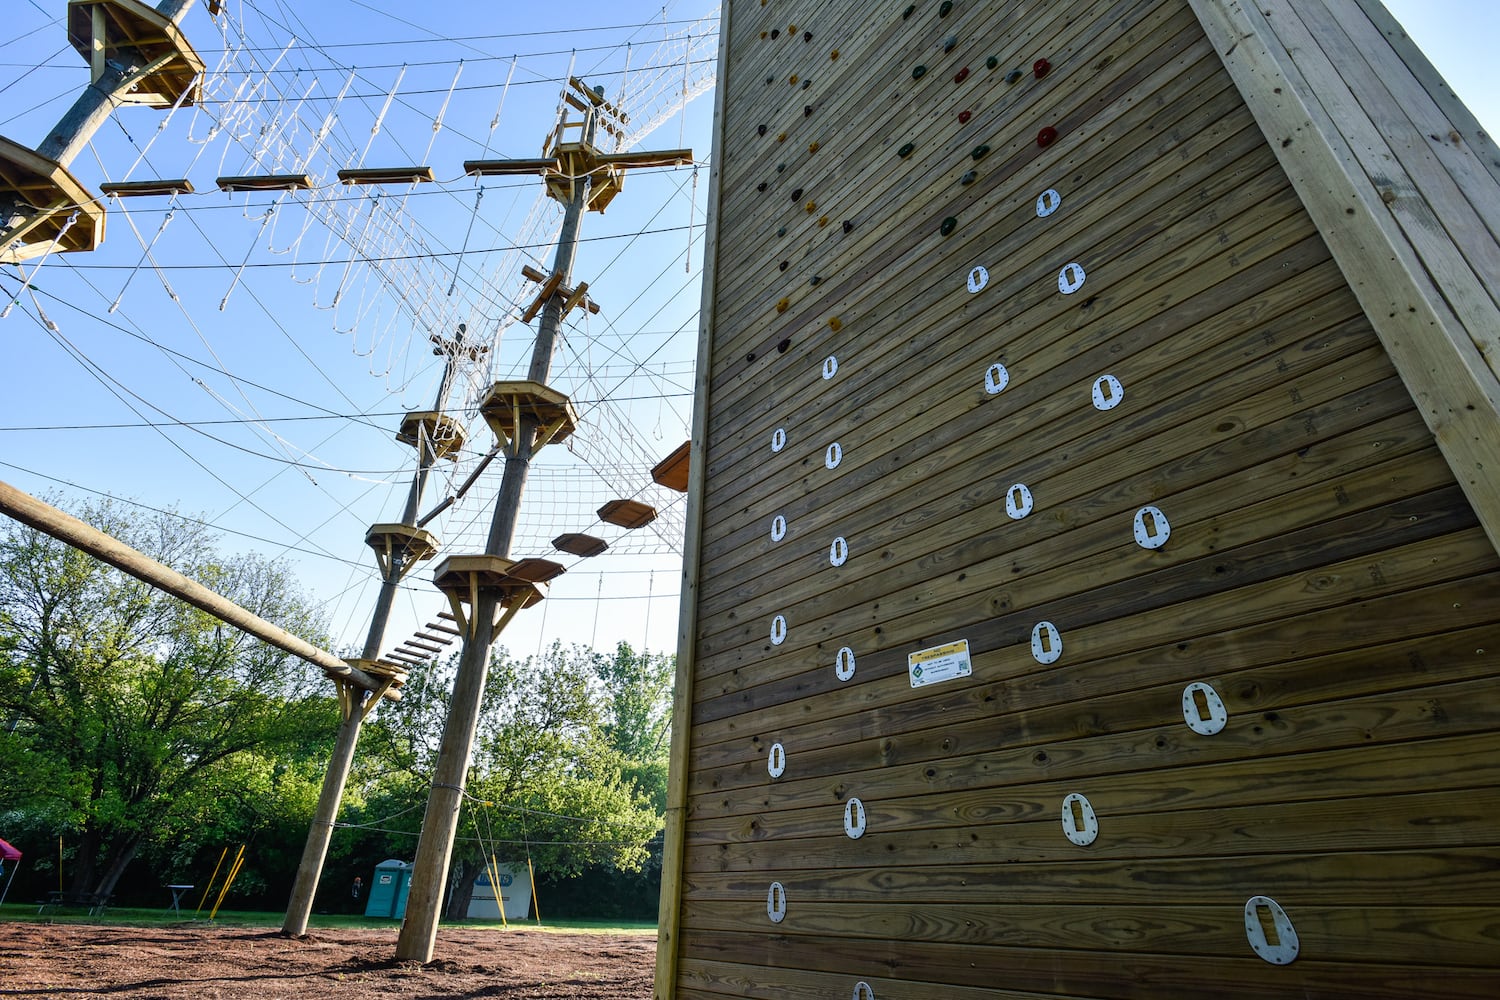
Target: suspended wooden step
[
  {"x": 672, "y": 471},
  {"x": 490, "y": 168},
  {"x": 440, "y": 627},
  {"x": 507, "y": 403},
  {"x": 421, "y": 647},
  {"x": 402, "y": 657},
  {"x": 627, "y": 513},
  {"x": 464, "y": 579},
  {"x": 144, "y": 189},
  {"x": 99, "y": 29},
  {"x": 537, "y": 570},
  {"x": 265, "y": 182},
  {"x": 580, "y": 545},
  {"x": 445, "y": 434},
  {"x": 442, "y": 640},
  {"x": 412, "y": 544},
  {"x": 48, "y": 195},
  {"x": 387, "y": 175}
]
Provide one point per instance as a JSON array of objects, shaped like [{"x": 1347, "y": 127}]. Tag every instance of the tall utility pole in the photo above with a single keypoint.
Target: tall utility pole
[
  {"x": 398, "y": 548},
  {"x": 136, "y": 55},
  {"x": 527, "y": 415}
]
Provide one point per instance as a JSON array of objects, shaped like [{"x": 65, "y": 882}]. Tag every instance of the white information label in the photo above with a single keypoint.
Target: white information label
[{"x": 940, "y": 663}]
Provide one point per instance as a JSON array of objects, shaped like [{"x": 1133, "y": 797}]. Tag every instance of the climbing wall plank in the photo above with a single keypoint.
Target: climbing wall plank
[{"x": 1079, "y": 604}]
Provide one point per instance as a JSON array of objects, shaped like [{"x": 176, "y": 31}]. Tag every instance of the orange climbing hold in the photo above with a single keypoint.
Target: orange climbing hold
[
  {"x": 781, "y": 306},
  {"x": 835, "y": 324}
]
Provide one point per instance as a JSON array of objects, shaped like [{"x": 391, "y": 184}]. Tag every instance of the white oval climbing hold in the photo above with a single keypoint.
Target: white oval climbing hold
[
  {"x": 776, "y": 763},
  {"x": 1078, "y": 820},
  {"x": 830, "y": 367},
  {"x": 1046, "y": 642},
  {"x": 1018, "y": 501},
  {"x": 778, "y": 528},
  {"x": 979, "y": 276},
  {"x": 1108, "y": 392},
  {"x": 778, "y": 439},
  {"x": 1270, "y": 931},
  {"x": 1203, "y": 710},
  {"x": 1151, "y": 528},
  {"x": 843, "y": 664},
  {"x": 838, "y": 552},
  {"x": 778, "y": 630},
  {"x": 1047, "y": 202},
  {"x": 996, "y": 378},
  {"x": 854, "y": 819},
  {"x": 833, "y": 456},
  {"x": 776, "y": 903},
  {"x": 1070, "y": 278},
  {"x": 863, "y": 991}
]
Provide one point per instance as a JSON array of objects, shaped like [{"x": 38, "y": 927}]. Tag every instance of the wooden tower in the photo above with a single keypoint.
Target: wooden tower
[{"x": 1092, "y": 583}]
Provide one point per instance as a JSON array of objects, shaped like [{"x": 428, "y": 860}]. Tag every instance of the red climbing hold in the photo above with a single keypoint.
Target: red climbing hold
[
  {"x": 1040, "y": 68},
  {"x": 1046, "y": 136},
  {"x": 961, "y": 75},
  {"x": 964, "y": 116}
]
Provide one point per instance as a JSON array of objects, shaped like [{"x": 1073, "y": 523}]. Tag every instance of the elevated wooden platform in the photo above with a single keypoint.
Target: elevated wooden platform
[
  {"x": 53, "y": 196},
  {"x": 444, "y": 434},
  {"x": 463, "y": 579},
  {"x": 627, "y": 513},
  {"x": 412, "y": 544},
  {"x": 580, "y": 545},
  {"x": 672, "y": 471},
  {"x": 508, "y": 403},
  {"x": 99, "y": 29}
]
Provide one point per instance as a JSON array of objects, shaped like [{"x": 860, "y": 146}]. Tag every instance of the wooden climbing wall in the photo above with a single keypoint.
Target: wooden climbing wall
[{"x": 1078, "y": 605}]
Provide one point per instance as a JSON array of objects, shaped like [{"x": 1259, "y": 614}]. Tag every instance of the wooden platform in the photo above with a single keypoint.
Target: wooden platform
[
  {"x": 627, "y": 513},
  {"x": 1126, "y": 549},
  {"x": 508, "y": 403},
  {"x": 412, "y": 543},
  {"x": 55, "y": 194},
  {"x": 444, "y": 433},
  {"x": 98, "y": 29},
  {"x": 580, "y": 545},
  {"x": 672, "y": 471}
]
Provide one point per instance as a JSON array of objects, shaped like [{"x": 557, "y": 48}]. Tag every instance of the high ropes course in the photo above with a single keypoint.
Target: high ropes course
[{"x": 235, "y": 303}]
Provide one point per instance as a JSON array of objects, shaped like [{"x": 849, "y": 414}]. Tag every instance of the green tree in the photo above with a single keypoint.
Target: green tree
[
  {"x": 638, "y": 715},
  {"x": 130, "y": 715}
]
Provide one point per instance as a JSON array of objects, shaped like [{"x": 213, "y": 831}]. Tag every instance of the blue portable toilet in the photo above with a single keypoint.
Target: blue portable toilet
[{"x": 389, "y": 889}]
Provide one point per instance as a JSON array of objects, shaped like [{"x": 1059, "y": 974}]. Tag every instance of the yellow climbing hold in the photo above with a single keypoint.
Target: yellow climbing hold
[
  {"x": 794, "y": 79},
  {"x": 812, "y": 147},
  {"x": 782, "y": 305},
  {"x": 835, "y": 324},
  {"x": 811, "y": 207},
  {"x": 822, "y": 221}
]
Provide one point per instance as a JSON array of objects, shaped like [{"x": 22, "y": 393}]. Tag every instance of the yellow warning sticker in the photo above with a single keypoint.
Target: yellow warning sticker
[{"x": 939, "y": 663}]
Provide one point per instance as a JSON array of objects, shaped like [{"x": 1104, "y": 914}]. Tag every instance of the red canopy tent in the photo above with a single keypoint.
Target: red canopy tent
[{"x": 8, "y": 853}]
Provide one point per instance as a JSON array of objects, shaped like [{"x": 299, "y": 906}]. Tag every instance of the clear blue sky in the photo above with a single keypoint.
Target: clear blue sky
[{"x": 274, "y": 364}]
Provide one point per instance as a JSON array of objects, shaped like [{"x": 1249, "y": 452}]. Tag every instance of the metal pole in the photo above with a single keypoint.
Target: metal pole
[
  {"x": 351, "y": 702},
  {"x": 440, "y": 822}
]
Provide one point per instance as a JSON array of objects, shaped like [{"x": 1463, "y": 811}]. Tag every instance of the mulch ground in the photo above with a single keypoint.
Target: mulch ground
[{"x": 227, "y": 963}]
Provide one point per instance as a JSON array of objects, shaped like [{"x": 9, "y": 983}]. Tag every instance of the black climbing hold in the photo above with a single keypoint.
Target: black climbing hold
[
  {"x": 806, "y": 84},
  {"x": 770, "y": 80},
  {"x": 780, "y": 167},
  {"x": 946, "y": 8},
  {"x": 1013, "y": 76},
  {"x": 848, "y": 226},
  {"x": 969, "y": 178},
  {"x": 761, "y": 130},
  {"x": 905, "y": 150},
  {"x": 775, "y": 32},
  {"x": 807, "y": 111},
  {"x": 781, "y": 231},
  {"x": 950, "y": 43},
  {"x": 815, "y": 279},
  {"x": 750, "y": 356},
  {"x": 781, "y": 348},
  {"x": 797, "y": 195},
  {"x": 992, "y": 62},
  {"x": 761, "y": 186},
  {"x": 979, "y": 151},
  {"x": 949, "y": 224},
  {"x": 785, "y": 264},
  {"x": 807, "y": 36},
  {"x": 918, "y": 72},
  {"x": 910, "y": 9}
]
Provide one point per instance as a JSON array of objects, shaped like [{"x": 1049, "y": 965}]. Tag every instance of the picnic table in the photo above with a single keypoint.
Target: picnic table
[
  {"x": 96, "y": 903},
  {"x": 177, "y": 892}
]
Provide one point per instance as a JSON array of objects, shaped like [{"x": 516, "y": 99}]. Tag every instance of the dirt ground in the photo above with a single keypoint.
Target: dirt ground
[{"x": 227, "y": 963}]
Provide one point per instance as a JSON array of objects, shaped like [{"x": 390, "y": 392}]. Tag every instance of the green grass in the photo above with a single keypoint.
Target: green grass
[{"x": 126, "y": 916}]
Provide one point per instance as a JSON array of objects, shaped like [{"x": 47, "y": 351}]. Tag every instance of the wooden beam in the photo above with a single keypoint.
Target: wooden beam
[
  {"x": 265, "y": 182},
  {"x": 386, "y": 175},
  {"x": 1417, "y": 287},
  {"x": 86, "y": 538},
  {"x": 490, "y": 168},
  {"x": 141, "y": 189}
]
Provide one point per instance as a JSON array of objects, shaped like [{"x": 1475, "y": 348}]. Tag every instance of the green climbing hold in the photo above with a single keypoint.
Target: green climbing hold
[
  {"x": 949, "y": 224},
  {"x": 815, "y": 279},
  {"x": 946, "y": 8},
  {"x": 992, "y": 62},
  {"x": 910, "y": 9},
  {"x": 906, "y": 150},
  {"x": 781, "y": 231},
  {"x": 979, "y": 152},
  {"x": 969, "y": 178},
  {"x": 918, "y": 72}
]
